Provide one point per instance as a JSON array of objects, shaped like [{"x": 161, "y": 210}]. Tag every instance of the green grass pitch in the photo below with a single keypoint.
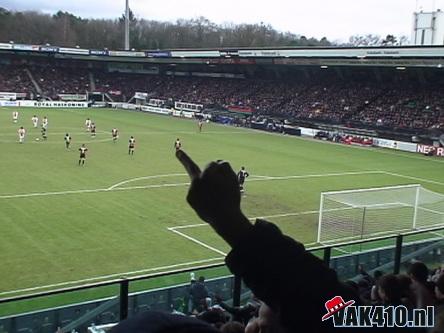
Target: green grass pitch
[{"x": 118, "y": 214}]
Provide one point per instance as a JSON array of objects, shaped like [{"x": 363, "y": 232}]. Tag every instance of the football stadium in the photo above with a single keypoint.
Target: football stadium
[{"x": 212, "y": 188}]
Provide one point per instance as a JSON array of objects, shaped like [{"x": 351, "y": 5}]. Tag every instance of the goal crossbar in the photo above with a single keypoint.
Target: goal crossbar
[{"x": 372, "y": 189}]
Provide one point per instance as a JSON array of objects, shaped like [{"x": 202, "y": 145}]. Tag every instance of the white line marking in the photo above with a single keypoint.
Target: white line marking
[
  {"x": 351, "y": 173},
  {"x": 284, "y": 215},
  {"x": 366, "y": 236},
  {"x": 198, "y": 242},
  {"x": 110, "y": 276},
  {"x": 42, "y": 142},
  {"x": 113, "y": 188},
  {"x": 341, "y": 250},
  {"x": 414, "y": 178},
  {"x": 250, "y": 218},
  {"x": 371, "y": 149},
  {"x": 146, "y": 177},
  {"x": 189, "y": 226},
  {"x": 259, "y": 176},
  {"x": 436, "y": 233}
]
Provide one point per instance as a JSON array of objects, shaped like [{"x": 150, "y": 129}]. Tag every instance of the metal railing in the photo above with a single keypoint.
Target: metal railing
[{"x": 124, "y": 283}]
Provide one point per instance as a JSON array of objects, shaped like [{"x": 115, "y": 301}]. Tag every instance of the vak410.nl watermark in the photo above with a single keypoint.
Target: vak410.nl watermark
[{"x": 346, "y": 314}]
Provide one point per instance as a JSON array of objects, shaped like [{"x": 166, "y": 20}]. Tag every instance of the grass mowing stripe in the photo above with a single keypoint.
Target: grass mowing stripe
[{"x": 105, "y": 277}]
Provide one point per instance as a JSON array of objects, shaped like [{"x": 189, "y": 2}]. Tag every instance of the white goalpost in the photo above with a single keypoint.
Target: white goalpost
[{"x": 366, "y": 213}]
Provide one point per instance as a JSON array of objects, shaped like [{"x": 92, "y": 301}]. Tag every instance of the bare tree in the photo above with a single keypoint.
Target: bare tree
[{"x": 65, "y": 29}]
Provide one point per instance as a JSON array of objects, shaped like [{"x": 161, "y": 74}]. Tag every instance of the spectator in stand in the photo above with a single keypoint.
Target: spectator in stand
[
  {"x": 420, "y": 288},
  {"x": 323, "y": 97},
  {"x": 292, "y": 284},
  {"x": 389, "y": 290},
  {"x": 374, "y": 295},
  {"x": 407, "y": 297},
  {"x": 439, "y": 294},
  {"x": 214, "y": 315},
  {"x": 244, "y": 313},
  {"x": 439, "y": 305},
  {"x": 199, "y": 292},
  {"x": 13, "y": 78},
  {"x": 268, "y": 261},
  {"x": 232, "y": 327}
]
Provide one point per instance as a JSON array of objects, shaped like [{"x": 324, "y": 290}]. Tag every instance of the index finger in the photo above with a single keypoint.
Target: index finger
[{"x": 192, "y": 168}]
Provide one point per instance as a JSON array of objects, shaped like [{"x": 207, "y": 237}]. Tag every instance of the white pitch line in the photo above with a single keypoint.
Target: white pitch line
[
  {"x": 351, "y": 173},
  {"x": 341, "y": 250},
  {"x": 284, "y": 215},
  {"x": 44, "y": 194},
  {"x": 259, "y": 176},
  {"x": 40, "y": 194},
  {"x": 189, "y": 226},
  {"x": 32, "y": 141},
  {"x": 250, "y": 218},
  {"x": 110, "y": 276},
  {"x": 146, "y": 177},
  {"x": 414, "y": 178},
  {"x": 198, "y": 242}
]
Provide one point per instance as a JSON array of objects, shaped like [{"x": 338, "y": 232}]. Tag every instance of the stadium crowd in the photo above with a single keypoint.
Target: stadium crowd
[
  {"x": 401, "y": 105},
  {"x": 54, "y": 81},
  {"x": 15, "y": 79},
  {"x": 292, "y": 287}
]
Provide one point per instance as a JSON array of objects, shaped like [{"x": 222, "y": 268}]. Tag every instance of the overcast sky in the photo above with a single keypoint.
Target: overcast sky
[{"x": 335, "y": 19}]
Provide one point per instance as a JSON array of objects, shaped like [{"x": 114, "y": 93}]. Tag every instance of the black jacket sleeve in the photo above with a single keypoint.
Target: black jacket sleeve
[{"x": 292, "y": 281}]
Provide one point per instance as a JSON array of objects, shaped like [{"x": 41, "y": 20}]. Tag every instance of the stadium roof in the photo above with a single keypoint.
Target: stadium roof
[{"x": 406, "y": 56}]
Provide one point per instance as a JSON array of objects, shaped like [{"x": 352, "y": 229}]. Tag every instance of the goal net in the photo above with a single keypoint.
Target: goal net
[{"x": 367, "y": 213}]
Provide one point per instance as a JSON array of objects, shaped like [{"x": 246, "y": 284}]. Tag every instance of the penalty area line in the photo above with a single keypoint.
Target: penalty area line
[
  {"x": 116, "y": 275},
  {"x": 194, "y": 240}
]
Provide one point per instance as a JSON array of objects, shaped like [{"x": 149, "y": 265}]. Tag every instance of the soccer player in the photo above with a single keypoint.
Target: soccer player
[
  {"x": 131, "y": 145},
  {"x": 115, "y": 134},
  {"x": 241, "y": 176},
  {"x": 67, "y": 140},
  {"x": 21, "y": 133},
  {"x": 200, "y": 124},
  {"x": 45, "y": 123},
  {"x": 35, "y": 121},
  {"x": 93, "y": 130},
  {"x": 177, "y": 144},
  {"x": 88, "y": 124},
  {"x": 44, "y": 133},
  {"x": 82, "y": 151},
  {"x": 15, "y": 116}
]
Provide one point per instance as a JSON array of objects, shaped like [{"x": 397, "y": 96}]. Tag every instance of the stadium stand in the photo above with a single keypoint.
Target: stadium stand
[
  {"x": 326, "y": 99},
  {"x": 54, "y": 80},
  {"x": 14, "y": 79}
]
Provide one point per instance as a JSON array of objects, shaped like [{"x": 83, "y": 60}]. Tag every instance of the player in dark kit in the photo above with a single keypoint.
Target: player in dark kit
[
  {"x": 131, "y": 145},
  {"x": 93, "y": 130},
  {"x": 177, "y": 144},
  {"x": 115, "y": 134},
  {"x": 82, "y": 151},
  {"x": 241, "y": 176},
  {"x": 67, "y": 140},
  {"x": 44, "y": 133}
]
